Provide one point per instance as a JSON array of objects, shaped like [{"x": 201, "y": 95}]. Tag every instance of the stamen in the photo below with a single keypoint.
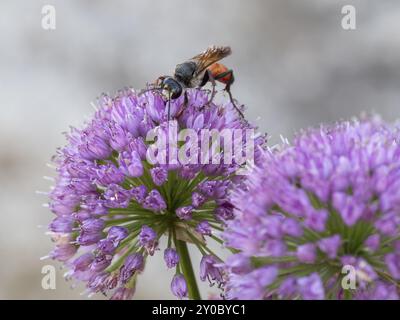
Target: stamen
[{"x": 44, "y": 193}]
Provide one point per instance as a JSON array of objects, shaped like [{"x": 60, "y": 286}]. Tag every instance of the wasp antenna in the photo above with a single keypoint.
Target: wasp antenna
[{"x": 150, "y": 89}]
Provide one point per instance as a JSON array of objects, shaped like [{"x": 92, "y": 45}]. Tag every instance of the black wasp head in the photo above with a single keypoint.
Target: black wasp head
[{"x": 171, "y": 88}]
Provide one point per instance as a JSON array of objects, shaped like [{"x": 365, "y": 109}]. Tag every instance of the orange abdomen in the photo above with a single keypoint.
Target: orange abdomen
[{"x": 218, "y": 68}]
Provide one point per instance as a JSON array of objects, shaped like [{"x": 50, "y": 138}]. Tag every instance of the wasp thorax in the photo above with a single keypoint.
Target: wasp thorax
[{"x": 184, "y": 72}]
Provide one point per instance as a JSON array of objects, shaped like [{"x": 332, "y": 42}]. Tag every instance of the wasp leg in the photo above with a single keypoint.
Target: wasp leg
[
  {"x": 169, "y": 106},
  {"x": 228, "y": 88},
  {"x": 213, "y": 84},
  {"x": 208, "y": 77},
  {"x": 185, "y": 103},
  {"x": 155, "y": 86}
]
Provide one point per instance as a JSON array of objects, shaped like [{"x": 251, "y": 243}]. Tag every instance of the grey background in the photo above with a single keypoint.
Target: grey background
[{"x": 294, "y": 64}]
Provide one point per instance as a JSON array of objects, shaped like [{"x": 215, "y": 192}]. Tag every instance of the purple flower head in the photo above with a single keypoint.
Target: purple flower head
[
  {"x": 311, "y": 287},
  {"x": 392, "y": 261},
  {"x": 187, "y": 173},
  {"x": 148, "y": 239},
  {"x": 224, "y": 211},
  {"x": 198, "y": 199},
  {"x": 101, "y": 262},
  {"x": 116, "y": 234},
  {"x": 288, "y": 288},
  {"x": 83, "y": 262},
  {"x": 62, "y": 224},
  {"x": 138, "y": 144},
  {"x": 111, "y": 281},
  {"x": 204, "y": 228},
  {"x": 92, "y": 225},
  {"x": 130, "y": 164},
  {"x": 93, "y": 147},
  {"x": 210, "y": 270},
  {"x": 116, "y": 197},
  {"x": 388, "y": 224},
  {"x": 98, "y": 282},
  {"x": 330, "y": 245},
  {"x": 106, "y": 246},
  {"x": 118, "y": 137},
  {"x": 213, "y": 188},
  {"x": 239, "y": 264},
  {"x": 159, "y": 175},
  {"x": 184, "y": 213},
  {"x": 110, "y": 196},
  {"x": 154, "y": 201},
  {"x": 292, "y": 228},
  {"x": 123, "y": 293},
  {"x": 133, "y": 263},
  {"x": 139, "y": 193},
  {"x": 329, "y": 201},
  {"x": 179, "y": 286},
  {"x": 306, "y": 253},
  {"x": 382, "y": 291},
  {"x": 109, "y": 174},
  {"x": 372, "y": 243},
  {"x": 316, "y": 220},
  {"x": 171, "y": 258},
  {"x": 251, "y": 286},
  {"x": 88, "y": 238}
]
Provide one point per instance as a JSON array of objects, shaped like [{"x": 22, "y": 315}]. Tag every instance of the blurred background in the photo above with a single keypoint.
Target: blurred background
[{"x": 295, "y": 66}]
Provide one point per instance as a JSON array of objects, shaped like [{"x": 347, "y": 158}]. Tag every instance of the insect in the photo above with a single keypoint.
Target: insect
[{"x": 197, "y": 72}]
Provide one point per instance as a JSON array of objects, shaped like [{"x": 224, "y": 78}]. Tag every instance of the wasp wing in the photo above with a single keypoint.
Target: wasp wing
[{"x": 210, "y": 56}]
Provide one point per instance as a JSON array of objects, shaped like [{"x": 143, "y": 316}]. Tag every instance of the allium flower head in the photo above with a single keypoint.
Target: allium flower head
[
  {"x": 114, "y": 198},
  {"x": 320, "y": 218},
  {"x": 179, "y": 286}
]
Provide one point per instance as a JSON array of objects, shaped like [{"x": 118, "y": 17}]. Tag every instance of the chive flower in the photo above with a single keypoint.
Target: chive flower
[
  {"x": 319, "y": 219},
  {"x": 114, "y": 198}
]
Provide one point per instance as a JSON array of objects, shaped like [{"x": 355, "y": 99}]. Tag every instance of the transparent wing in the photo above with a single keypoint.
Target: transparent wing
[{"x": 210, "y": 56}]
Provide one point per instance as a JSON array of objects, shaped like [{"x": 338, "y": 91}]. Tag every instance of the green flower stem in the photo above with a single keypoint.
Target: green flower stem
[
  {"x": 187, "y": 269},
  {"x": 217, "y": 239}
]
